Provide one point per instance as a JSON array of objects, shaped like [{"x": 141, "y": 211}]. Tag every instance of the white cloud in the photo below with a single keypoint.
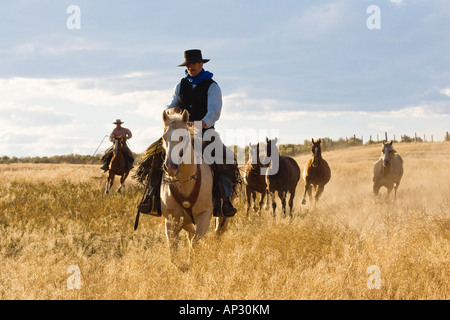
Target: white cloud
[
  {"x": 86, "y": 91},
  {"x": 446, "y": 92},
  {"x": 315, "y": 22},
  {"x": 56, "y": 44}
]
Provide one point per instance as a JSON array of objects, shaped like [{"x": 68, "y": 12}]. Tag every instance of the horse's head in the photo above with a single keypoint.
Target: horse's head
[
  {"x": 316, "y": 151},
  {"x": 176, "y": 140},
  {"x": 272, "y": 158},
  {"x": 387, "y": 151},
  {"x": 118, "y": 144},
  {"x": 271, "y": 145},
  {"x": 253, "y": 154}
]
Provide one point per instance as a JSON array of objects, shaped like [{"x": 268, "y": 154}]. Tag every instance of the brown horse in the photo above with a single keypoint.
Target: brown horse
[
  {"x": 388, "y": 170},
  {"x": 118, "y": 165},
  {"x": 282, "y": 176},
  {"x": 254, "y": 179},
  {"x": 316, "y": 172}
]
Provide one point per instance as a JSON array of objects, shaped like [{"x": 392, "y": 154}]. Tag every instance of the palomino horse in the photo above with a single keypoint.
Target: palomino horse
[
  {"x": 388, "y": 170},
  {"x": 316, "y": 173},
  {"x": 282, "y": 176},
  {"x": 186, "y": 189},
  {"x": 118, "y": 165},
  {"x": 254, "y": 179}
]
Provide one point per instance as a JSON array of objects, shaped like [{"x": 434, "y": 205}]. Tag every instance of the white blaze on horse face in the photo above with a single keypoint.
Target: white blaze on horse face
[
  {"x": 315, "y": 158},
  {"x": 253, "y": 154},
  {"x": 386, "y": 154},
  {"x": 116, "y": 146},
  {"x": 273, "y": 159}
]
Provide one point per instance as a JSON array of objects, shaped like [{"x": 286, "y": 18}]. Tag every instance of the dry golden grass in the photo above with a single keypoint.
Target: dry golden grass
[{"x": 55, "y": 216}]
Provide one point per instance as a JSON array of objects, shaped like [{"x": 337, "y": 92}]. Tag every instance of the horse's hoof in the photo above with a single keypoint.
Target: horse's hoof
[{"x": 304, "y": 202}]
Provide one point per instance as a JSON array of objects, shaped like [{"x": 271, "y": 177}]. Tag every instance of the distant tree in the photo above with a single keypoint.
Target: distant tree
[{"x": 406, "y": 138}]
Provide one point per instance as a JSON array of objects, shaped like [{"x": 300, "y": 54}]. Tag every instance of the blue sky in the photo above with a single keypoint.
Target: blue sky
[{"x": 295, "y": 69}]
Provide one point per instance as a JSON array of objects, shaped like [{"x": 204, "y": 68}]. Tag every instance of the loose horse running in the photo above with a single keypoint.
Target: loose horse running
[
  {"x": 281, "y": 176},
  {"x": 316, "y": 173},
  {"x": 254, "y": 179},
  {"x": 388, "y": 170},
  {"x": 186, "y": 189},
  {"x": 118, "y": 165}
]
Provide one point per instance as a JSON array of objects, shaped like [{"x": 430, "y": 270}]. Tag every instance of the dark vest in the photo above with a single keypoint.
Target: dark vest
[{"x": 195, "y": 100}]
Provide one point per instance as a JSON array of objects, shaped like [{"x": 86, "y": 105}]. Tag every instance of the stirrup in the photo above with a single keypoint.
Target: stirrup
[{"x": 149, "y": 208}]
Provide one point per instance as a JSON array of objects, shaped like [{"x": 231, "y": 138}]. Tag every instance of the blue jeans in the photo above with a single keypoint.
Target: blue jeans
[{"x": 227, "y": 185}]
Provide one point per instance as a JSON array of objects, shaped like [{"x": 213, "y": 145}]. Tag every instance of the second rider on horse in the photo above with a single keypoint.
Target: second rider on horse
[{"x": 126, "y": 134}]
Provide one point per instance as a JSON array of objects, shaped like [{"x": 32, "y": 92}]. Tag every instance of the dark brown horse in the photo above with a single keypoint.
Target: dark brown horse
[
  {"x": 254, "y": 179},
  {"x": 282, "y": 176},
  {"x": 118, "y": 165},
  {"x": 316, "y": 172}
]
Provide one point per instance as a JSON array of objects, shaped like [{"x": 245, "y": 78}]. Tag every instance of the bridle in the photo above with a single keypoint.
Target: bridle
[{"x": 185, "y": 202}]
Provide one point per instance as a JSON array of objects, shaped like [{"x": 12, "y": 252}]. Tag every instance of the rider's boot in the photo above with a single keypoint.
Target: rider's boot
[
  {"x": 227, "y": 208},
  {"x": 151, "y": 204}
]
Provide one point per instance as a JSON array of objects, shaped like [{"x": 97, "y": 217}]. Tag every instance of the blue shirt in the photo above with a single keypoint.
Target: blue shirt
[{"x": 214, "y": 103}]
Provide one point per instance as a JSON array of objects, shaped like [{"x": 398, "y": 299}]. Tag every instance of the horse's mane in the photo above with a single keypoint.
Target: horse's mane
[{"x": 155, "y": 149}]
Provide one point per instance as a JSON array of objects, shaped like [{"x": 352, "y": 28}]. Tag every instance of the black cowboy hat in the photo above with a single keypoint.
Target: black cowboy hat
[
  {"x": 193, "y": 56},
  {"x": 118, "y": 121}
]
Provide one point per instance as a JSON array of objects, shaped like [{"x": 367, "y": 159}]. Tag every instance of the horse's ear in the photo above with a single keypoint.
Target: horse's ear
[
  {"x": 392, "y": 141},
  {"x": 185, "y": 116},
  {"x": 276, "y": 140},
  {"x": 267, "y": 140},
  {"x": 319, "y": 141},
  {"x": 165, "y": 116},
  {"x": 249, "y": 144},
  {"x": 312, "y": 140}
]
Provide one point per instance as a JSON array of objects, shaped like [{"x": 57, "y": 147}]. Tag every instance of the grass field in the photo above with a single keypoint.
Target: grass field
[{"x": 56, "y": 216}]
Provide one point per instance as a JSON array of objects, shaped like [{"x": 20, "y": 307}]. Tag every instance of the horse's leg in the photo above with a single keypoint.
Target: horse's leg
[
  {"x": 261, "y": 202},
  {"x": 202, "y": 224},
  {"x": 255, "y": 208},
  {"x": 109, "y": 182},
  {"x": 122, "y": 180},
  {"x": 221, "y": 225},
  {"x": 395, "y": 190},
  {"x": 390, "y": 187},
  {"x": 291, "y": 200},
  {"x": 319, "y": 191},
  {"x": 172, "y": 229},
  {"x": 248, "y": 194},
  {"x": 307, "y": 190},
  {"x": 282, "y": 195},
  {"x": 266, "y": 205},
  {"x": 199, "y": 231},
  {"x": 274, "y": 203},
  {"x": 376, "y": 188}
]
